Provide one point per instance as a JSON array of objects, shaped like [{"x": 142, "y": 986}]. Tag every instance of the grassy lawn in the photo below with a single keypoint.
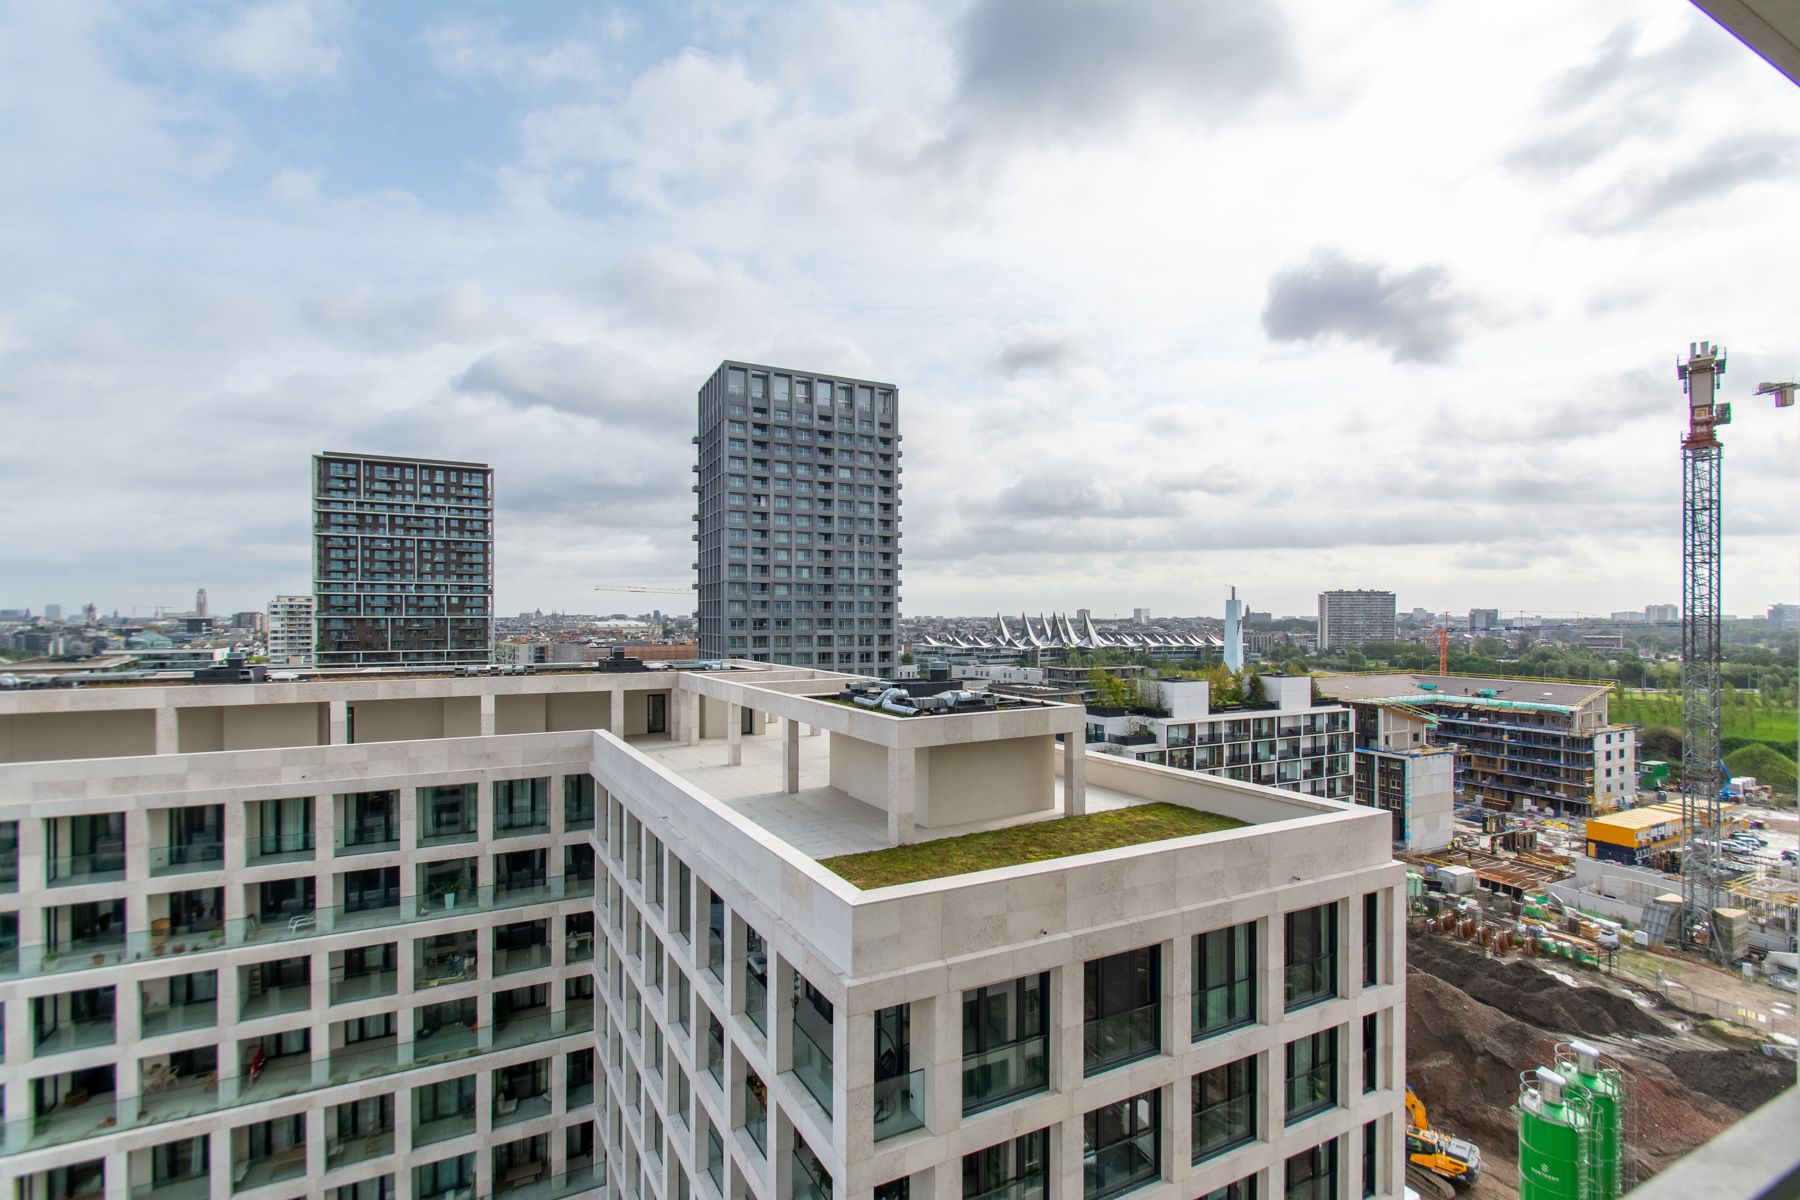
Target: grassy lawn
[
  {"x": 1737, "y": 720},
  {"x": 1035, "y": 842}
]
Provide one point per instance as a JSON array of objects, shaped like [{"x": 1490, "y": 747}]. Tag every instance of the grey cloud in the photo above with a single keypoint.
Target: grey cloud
[
  {"x": 680, "y": 291},
  {"x": 1037, "y": 349},
  {"x": 360, "y": 318},
  {"x": 586, "y": 380},
  {"x": 1069, "y": 67},
  {"x": 1621, "y": 64},
  {"x": 1415, "y": 315},
  {"x": 1718, "y": 169}
]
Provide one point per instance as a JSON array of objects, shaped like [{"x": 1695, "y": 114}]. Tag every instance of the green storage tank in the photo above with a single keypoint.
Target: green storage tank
[
  {"x": 1580, "y": 1064},
  {"x": 1555, "y": 1140}
]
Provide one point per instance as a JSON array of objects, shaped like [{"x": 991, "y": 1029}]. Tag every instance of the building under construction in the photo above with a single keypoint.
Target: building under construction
[{"x": 1526, "y": 744}]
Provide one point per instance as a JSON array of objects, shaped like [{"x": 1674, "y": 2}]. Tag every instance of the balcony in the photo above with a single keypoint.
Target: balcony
[
  {"x": 101, "y": 1115},
  {"x": 899, "y": 1104},
  {"x": 283, "y": 1162},
  {"x": 109, "y": 947},
  {"x": 354, "y": 1148},
  {"x": 1121, "y": 1037},
  {"x": 182, "y": 858}
]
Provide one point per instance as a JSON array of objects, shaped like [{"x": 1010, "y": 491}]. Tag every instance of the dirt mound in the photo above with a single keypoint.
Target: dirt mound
[
  {"x": 1744, "y": 1080},
  {"x": 1464, "y": 1059},
  {"x": 1520, "y": 989}
]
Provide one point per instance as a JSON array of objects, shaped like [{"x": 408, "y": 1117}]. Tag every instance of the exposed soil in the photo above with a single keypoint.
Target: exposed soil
[{"x": 1475, "y": 1024}]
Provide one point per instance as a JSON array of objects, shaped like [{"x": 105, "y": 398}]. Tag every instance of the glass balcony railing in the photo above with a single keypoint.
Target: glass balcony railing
[
  {"x": 367, "y": 985},
  {"x": 1121, "y": 1166},
  {"x": 103, "y": 866},
  {"x": 114, "y": 949},
  {"x": 75, "y": 1035},
  {"x": 278, "y": 848},
  {"x": 159, "y": 1019},
  {"x": 285, "y": 1162},
  {"x": 1005, "y": 1072},
  {"x": 1121, "y": 1037},
  {"x": 455, "y": 1125},
  {"x": 292, "y": 1076},
  {"x": 899, "y": 1104},
  {"x": 1018, "y": 1189},
  {"x": 193, "y": 856},
  {"x": 807, "y": 1186},
  {"x": 557, "y": 1187},
  {"x": 812, "y": 1063},
  {"x": 358, "y": 1147}
]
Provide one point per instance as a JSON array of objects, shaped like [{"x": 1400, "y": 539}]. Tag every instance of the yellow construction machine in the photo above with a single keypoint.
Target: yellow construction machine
[{"x": 1442, "y": 1155}]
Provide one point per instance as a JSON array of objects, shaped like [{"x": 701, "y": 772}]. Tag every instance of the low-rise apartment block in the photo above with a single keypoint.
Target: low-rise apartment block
[
  {"x": 1286, "y": 741},
  {"x": 558, "y": 935},
  {"x": 1402, "y": 770},
  {"x": 1526, "y": 743}
]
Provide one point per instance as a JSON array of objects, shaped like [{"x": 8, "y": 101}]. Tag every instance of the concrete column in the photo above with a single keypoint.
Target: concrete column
[
  {"x": 339, "y": 722},
  {"x": 690, "y": 723},
  {"x": 734, "y": 737},
  {"x": 117, "y": 1177},
  {"x": 813, "y": 731},
  {"x": 487, "y": 714},
  {"x": 615, "y": 712},
  {"x": 901, "y": 777},
  {"x": 1074, "y": 751},
  {"x": 167, "y": 731},
  {"x": 790, "y": 747}
]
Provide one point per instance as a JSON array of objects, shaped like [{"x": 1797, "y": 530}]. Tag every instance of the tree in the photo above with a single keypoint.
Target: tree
[{"x": 1254, "y": 692}]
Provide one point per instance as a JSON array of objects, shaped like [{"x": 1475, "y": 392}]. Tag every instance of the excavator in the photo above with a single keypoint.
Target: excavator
[{"x": 1444, "y": 1156}]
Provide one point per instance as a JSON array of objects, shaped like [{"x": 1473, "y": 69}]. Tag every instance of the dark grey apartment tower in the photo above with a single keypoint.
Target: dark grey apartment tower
[
  {"x": 403, "y": 561},
  {"x": 799, "y": 518}
]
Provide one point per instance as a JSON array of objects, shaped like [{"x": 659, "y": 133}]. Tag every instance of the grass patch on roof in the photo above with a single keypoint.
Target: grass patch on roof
[{"x": 1038, "y": 841}]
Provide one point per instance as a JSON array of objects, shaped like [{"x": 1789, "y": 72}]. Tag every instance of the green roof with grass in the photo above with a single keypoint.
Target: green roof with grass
[{"x": 1038, "y": 841}]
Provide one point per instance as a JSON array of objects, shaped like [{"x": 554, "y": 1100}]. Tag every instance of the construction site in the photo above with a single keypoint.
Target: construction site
[{"x": 1591, "y": 997}]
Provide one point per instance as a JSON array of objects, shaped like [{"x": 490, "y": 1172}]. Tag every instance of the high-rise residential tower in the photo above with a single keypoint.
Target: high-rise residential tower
[
  {"x": 1352, "y": 618},
  {"x": 403, "y": 560},
  {"x": 798, "y": 518}
]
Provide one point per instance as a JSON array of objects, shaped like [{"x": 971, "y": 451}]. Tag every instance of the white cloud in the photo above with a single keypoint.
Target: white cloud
[
  {"x": 280, "y": 42},
  {"x": 1069, "y": 292}
]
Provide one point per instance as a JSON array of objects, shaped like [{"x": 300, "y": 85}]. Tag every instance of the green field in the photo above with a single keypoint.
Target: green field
[{"x": 1743, "y": 718}]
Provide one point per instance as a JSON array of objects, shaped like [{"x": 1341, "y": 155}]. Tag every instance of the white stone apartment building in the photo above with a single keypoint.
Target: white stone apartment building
[
  {"x": 565, "y": 934},
  {"x": 291, "y": 631},
  {"x": 1290, "y": 742}
]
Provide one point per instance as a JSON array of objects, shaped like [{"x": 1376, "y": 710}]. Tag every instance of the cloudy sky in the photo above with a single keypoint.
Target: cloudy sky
[{"x": 1380, "y": 293}]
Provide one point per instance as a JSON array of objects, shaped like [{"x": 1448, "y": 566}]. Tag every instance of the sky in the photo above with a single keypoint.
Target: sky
[{"x": 1178, "y": 297}]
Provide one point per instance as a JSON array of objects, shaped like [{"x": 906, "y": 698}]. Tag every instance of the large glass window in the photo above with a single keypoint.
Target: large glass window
[
  {"x": 756, "y": 979},
  {"x": 1371, "y": 939},
  {"x": 715, "y": 936},
  {"x": 1312, "y": 1174},
  {"x": 1371, "y": 1052},
  {"x": 1224, "y": 979},
  {"x": 1006, "y": 1051},
  {"x": 1311, "y": 945},
  {"x": 521, "y": 806},
  {"x": 1224, "y": 1107},
  {"x": 1371, "y": 1159},
  {"x": 1311, "y": 1075},
  {"x": 447, "y": 814},
  {"x": 899, "y": 1090},
  {"x": 1015, "y": 1170},
  {"x": 1122, "y": 1018},
  {"x": 1237, "y": 1189},
  {"x": 1120, "y": 1146}
]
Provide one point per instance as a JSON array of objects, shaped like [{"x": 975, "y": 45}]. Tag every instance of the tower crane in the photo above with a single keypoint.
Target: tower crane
[
  {"x": 1702, "y": 773},
  {"x": 643, "y": 587}
]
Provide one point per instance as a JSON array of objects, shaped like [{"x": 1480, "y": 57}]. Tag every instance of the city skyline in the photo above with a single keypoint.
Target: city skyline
[{"x": 1435, "y": 339}]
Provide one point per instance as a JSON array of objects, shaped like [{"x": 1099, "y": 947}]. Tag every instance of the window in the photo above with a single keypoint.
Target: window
[
  {"x": 1371, "y": 1052},
  {"x": 895, "y": 1189},
  {"x": 1312, "y": 1174},
  {"x": 1371, "y": 1156},
  {"x": 1006, "y": 1042},
  {"x": 1371, "y": 939},
  {"x": 1121, "y": 995},
  {"x": 1311, "y": 955},
  {"x": 1016, "y": 1168},
  {"x": 1242, "y": 1189},
  {"x": 1119, "y": 1146},
  {"x": 1224, "y": 979},
  {"x": 1224, "y": 1107},
  {"x": 1311, "y": 1075}
]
